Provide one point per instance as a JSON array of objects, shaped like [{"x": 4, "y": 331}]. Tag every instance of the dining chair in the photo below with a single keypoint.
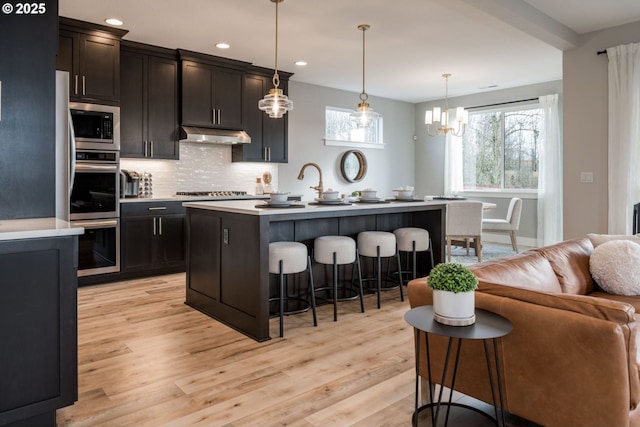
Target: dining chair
[
  {"x": 508, "y": 225},
  {"x": 464, "y": 226}
]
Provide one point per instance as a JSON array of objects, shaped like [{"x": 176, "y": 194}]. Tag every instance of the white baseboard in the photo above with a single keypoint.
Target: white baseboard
[{"x": 506, "y": 240}]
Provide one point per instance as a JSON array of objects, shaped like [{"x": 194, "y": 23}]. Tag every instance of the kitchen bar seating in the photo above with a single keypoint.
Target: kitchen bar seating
[
  {"x": 378, "y": 245},
  {"x": 335, "y": 251},
  {"x": 413, "y": 240},
  {"x": 290, "y": 258}
]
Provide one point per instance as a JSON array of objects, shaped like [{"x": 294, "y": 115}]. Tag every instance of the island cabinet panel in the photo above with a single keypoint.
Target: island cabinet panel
[
  {"x": 226, "y": 270},
  {"x": 38, "y": 329}
]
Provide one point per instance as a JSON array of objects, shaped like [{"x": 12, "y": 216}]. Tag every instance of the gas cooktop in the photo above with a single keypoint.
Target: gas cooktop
[{"x": 216, "y": 193}]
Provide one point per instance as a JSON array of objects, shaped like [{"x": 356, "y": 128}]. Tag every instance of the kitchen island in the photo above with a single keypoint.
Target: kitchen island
[{"x": 228, "y": 248}]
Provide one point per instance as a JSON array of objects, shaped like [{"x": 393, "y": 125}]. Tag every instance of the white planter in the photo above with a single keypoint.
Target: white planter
[{"x": 455, "y": 309}]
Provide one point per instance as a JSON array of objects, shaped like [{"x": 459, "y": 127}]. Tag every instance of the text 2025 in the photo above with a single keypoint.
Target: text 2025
[{"x": 30, "y": 8}]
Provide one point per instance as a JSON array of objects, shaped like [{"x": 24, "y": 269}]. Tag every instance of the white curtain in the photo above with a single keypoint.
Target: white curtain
[
  {"x": 453, "y": 182},
  {"x": 624, "y": 135},
  {"x": 550, "y": 174}
]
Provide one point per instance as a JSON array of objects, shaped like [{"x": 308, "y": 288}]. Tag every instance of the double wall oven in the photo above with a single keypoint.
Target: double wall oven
[{"x": 94, "y": 199}]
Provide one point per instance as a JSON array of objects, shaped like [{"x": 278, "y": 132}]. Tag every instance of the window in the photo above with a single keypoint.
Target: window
[
  {"x": 501, "y": 149},
  {"x": 339, "y": 127}
]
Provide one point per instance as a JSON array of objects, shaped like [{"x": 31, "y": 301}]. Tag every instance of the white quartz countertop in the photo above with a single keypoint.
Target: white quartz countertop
[
  {"x": 34, "y": 228},
  {"x": 252, "y": 207},
  {"x": 197, "y": 198}
]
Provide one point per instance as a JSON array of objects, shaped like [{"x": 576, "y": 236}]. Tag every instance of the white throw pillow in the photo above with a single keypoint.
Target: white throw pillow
[{"x": 615, "y": 266}]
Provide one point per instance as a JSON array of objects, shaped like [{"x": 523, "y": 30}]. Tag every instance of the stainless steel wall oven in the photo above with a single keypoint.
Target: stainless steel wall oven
[{"x": 95, "y": 205}]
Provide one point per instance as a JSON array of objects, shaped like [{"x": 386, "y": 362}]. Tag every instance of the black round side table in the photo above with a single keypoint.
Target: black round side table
[{"x": 488, "y": 326}]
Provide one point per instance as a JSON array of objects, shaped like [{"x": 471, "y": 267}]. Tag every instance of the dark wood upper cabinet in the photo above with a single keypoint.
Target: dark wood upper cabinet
[
  {"x": 212, "y": 91},
  {"x": 91, "y": 55},
  {"x": 148, "y": 102},
  {"x": 268, "y": 136}
]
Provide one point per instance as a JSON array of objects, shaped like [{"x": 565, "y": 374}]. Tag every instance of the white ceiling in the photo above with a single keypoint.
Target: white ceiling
[{"x": 411, "y": 43}]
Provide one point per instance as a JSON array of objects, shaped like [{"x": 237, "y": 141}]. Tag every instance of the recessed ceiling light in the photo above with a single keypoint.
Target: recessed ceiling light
[
  {"x": 222, "y": 45},
  {"x": 113, "y": 21},
  {"x": 301, "y": 63}
]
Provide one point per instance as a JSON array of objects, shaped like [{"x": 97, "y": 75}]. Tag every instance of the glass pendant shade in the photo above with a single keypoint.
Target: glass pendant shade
[
  {"x": 275, "y": 103},
  {"x": 364, "y": 116}
]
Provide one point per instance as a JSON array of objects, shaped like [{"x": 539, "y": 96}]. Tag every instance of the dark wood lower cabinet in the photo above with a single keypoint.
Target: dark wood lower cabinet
[
  {"x": 38, "y": 330},
  {"x": 152, "y": 238}
]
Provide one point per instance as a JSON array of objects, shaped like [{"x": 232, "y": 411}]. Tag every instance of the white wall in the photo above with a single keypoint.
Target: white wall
[
  {"x": 430, "y": 151},
  {"x": 585, "y": 89},
  {"x": 387, "y": 169}
]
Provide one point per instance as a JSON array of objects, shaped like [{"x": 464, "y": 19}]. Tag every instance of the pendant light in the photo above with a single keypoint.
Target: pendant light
[
  {"x": 275, "y": 103},
  {"x": 365, "y": 116},
  {"x": 442, "y": 116}
]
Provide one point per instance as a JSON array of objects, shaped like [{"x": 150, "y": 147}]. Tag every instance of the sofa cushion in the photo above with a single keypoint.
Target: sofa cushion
[
  {"x": 598, "y": 239},
  {"x": 570, "y": 262},
  {"x": 628, "y": 299},
  {"x": 615, "y": 265},
  {"x": 528, "y": 270}
]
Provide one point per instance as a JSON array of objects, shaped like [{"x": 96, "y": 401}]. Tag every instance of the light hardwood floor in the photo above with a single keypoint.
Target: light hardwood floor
[{"x": 147, "y": 359}]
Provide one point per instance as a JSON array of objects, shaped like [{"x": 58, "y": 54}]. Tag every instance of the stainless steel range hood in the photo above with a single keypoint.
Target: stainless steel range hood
[{"x": 213, "y": 136}]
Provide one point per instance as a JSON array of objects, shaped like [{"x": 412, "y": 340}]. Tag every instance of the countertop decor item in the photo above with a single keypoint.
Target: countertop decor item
[
  {"x": 275, "y": 103},
  {"x": 454, "y": 288}
]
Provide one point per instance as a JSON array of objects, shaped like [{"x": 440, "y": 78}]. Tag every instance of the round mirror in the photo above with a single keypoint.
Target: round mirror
[{"x": 353, "y": 165}]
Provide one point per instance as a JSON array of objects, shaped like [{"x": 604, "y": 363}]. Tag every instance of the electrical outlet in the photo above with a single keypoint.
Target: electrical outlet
[{"x": 586, "y": 177}]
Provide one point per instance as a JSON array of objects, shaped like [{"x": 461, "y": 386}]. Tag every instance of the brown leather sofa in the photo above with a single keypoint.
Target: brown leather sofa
[{"x": 572, "y": 357}]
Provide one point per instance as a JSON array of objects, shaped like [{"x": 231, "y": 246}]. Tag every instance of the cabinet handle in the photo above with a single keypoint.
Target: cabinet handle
[
  {"x": 155, "y": 225},
  {"x": 213, "y": 116},
  {"x": 84, "y": 85},
  {"x": 268, "y": 154},
  {"x": 225, "y": 236},
  {"x": 145, "y": 148},
  {"x": 151, "y": 143},
  {"x": 264, "y": 153},
  {"x": 158, "y": 208},
  {"x": 219, "y": 119},
  {"x": 75, "y": 85},
  {"x": 160, "y": 225}
]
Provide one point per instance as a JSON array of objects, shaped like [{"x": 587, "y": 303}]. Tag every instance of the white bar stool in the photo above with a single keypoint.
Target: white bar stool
[
  {"x": 338, "y": 250},
  {"x": 379, "y": 244},
  {"x": 413, "y": 240},
  {"x": 291, "y": 258}
]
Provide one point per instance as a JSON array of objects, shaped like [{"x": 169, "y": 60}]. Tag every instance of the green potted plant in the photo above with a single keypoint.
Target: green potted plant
[{"x": 454, "y": 288}]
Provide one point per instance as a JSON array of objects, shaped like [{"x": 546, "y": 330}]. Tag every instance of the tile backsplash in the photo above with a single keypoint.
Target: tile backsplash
[{"x": 202, "y": 167}]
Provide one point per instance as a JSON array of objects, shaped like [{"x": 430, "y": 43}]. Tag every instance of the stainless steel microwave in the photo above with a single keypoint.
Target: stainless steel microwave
[{"x": 95, "y": 126}]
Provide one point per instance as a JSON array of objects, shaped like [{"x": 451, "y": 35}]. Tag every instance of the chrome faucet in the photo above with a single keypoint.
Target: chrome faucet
[{"x": 318, "y": 187}]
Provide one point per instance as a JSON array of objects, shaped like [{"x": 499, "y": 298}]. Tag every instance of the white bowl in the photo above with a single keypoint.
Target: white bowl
[
  {"x": 330, "y": 195},
  {"x": 279, "y": 197},
  {"x": 368, "y": 194},
  {"x": 405, "y": 194}
]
